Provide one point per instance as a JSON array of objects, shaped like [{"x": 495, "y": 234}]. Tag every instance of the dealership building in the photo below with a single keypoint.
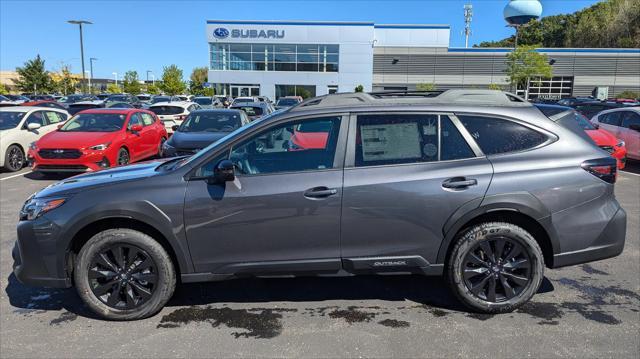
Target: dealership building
[{"x": 312, "y": 58}]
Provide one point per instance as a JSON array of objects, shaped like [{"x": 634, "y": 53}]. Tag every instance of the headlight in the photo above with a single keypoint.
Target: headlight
[
  {"x": 33, "y": 146},
  {"x": 100, "y": 147},
  {"x": 35, "y": 207},
  {"x": 620, "y": 143}
]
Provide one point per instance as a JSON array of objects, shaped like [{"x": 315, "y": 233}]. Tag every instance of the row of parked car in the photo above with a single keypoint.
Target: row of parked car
[{"x": 116, "y": 130}]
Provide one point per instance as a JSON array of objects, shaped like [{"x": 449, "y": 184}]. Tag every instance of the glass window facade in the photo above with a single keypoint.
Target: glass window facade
[
  {"x": 304, "y": 91},
  {"x": 274, "y": 57}
]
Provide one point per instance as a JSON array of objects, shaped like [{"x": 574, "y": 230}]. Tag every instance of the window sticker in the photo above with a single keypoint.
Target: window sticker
[{"x": 390, "y": 141}]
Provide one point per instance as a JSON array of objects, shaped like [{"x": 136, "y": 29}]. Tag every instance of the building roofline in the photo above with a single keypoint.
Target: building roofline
[
  {"x": 411, "y": 26},
  {"x": 544, "y": 49},
  {"x": 291, "y": 22}
]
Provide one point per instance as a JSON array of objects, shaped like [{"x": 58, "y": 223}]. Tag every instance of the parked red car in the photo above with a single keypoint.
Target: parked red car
[
  {"x": 310, "y": 135},
  {"x": 45, "y": 103},
  {"x": 99, "y": 138}
]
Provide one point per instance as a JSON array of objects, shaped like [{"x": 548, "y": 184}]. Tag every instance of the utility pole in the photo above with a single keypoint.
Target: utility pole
[
  {"x": 91, "y": 60},
  {"x": 79, "y": 23},
  {"x": 468, "y": 15}
]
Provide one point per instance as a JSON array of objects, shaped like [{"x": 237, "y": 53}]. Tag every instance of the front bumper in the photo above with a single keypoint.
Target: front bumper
[
  {"x": 89, "y": 161},
  {"x": 609, "y": 244},
  {"x": 37, "y": 260}
]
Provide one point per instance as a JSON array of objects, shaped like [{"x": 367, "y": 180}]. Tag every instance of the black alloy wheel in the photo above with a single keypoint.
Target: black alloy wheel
[
  {"x": 123, "y": 276},
  {"x": 123, "y": 157},
  {"x": 497, "y": 269},
  {"x": 14, "y": 160}
]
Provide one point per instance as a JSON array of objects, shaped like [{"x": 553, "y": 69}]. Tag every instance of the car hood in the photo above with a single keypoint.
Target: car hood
[
  {"x": 195, "y": 139},
  {"x": 106, "y": 177},
  {"x": 602, "y": 137},
  {"x": 59, "y": 139}
]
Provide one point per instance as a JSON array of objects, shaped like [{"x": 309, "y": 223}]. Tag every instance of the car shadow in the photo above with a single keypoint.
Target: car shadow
[
  {"x": 37, "y": 176},
  {"x": 428, "y": 291},
  {"x": 632, "y": 166}
]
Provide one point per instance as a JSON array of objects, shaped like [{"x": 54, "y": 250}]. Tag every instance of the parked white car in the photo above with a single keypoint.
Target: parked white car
[
  {"x": 22, "y": 125},
  {"x": 173, "y": 113},
  {"x": 624, "y": 123}
]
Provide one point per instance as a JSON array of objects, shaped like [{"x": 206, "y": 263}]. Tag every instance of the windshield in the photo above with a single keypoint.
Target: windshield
[
  {"x": 95, "y": 122},
  {"x": 160, "y": 99},
  {"x": 117, "y": 98},
  {"x": 166, "y": 110},
  {"x": 203, "y": 100},
  {"x": 10, "y": 119},
  {"x": 250, "y": 110},
  {"x": 287, "y": 102},
  {"x": 211, "y": 122}
]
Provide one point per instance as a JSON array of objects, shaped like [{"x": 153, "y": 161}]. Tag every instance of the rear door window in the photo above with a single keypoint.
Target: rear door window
[
  {"x": 630, "y": 118},
  {"x": 496, "y": 135},
  {"x": 407, "y": 138},
  {"x": 147, "y": 119},
  {"x": 54, "y": 117},
  {"x": 611, "y": 118}
]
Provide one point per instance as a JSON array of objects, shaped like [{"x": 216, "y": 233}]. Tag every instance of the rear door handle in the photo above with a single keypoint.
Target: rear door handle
[
  {"x": 320, "y": 192},
  {"x": 459, "y": 182}
]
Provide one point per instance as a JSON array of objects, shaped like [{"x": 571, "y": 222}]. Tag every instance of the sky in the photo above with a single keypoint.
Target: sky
[{"x": 147, "y": 35}]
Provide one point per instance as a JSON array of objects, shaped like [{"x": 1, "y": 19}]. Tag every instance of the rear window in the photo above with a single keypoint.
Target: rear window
[
  {"x": 243, "y": 100},
  {"x": 166, "y": 110},
  {"x": 249, "y": 110},
  {"x": 160, "y": 99},
  {"x": 203, "y": 100},
  {"x": 495, "y": 135},
  {"x": 287, "y": 102},
  {"x": 143, "y": 97},
  {"x": 211, "y": 122}
]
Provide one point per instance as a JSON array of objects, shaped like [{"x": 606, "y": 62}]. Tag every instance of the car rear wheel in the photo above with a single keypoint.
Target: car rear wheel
[
  {"x": 495, "y": 267},
  {"x": 14, "y": 158},
  {"x": 123, "y": 157},
  {"x": 123, "y": 274}
]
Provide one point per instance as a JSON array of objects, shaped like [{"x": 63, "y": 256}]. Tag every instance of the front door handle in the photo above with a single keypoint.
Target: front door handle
[
  {"x": 320, "y": 192},
  {"x": 459, "y": 183}
]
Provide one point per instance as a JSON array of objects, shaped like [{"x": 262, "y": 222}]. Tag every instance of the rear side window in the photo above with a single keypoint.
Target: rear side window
[
  {"x": 630, "y": 118},
  {"x": 147, "y": 119},
  {"x": 495, "y": 136},
  {"x": 397, "y": 139},
  {"x": 612, "y": 118},
  {"x": 577, "y": 123}
]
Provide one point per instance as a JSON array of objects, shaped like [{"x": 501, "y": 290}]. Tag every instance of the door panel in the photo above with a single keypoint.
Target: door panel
[
  {"x": 401, "y": 210},
  {"x": 262, "y": 218}
]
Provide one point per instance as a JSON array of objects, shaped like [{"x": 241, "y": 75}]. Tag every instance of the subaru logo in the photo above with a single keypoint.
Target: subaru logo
[
  {"x": 58, "y": 151},
  {"x": 221, "y": 33}
]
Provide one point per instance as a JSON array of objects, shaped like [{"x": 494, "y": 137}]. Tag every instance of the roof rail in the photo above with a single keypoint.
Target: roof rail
[{"x": 478, "y": 97}]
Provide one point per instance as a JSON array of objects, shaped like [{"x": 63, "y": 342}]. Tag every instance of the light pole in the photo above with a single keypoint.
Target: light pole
[
  {"x": 153, "y": 78},
  {"x": 115, "y": 75},
  {"x": 79, "y": 23},
  {"x": 91, "y": 60},
  {"x": 89, "y": 80}
]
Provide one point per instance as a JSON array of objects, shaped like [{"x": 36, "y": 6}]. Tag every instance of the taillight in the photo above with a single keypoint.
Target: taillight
[{"x": 604, "y": 168}]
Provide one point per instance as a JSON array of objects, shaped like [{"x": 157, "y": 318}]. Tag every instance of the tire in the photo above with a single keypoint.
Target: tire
[
  {"x": 123, "y": 158},
  {"x": 14, "y": 158},
  {"x": 160, "y": 153},
  {"x": 472, "y": 268},
  {"x": 93, "y": 274}
]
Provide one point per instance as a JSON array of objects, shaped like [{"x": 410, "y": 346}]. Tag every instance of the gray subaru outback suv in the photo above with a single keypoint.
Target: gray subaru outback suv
[{"x": 475, "y": 185}]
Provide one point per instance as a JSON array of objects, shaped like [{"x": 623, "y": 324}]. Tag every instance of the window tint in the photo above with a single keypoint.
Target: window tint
[
  {"x": 453, "y": 145},
  {"x": 208, "y": 169},
  {"x": 134, "y": 120},
  {"x": 166, "y": 110},
  {"x": 612, "y": 118},
  {"x": 147, "y": 119},
  {"x": 495, "y": 135},
  {"x": 36, "y": 117},
  {"x": 285, "y": 148},
  {"x": 395, "y": 139},
  {"x": 630, "y": 118}
]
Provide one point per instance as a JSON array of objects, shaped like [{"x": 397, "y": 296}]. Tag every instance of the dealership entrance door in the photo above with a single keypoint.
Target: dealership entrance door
[{"x": 245, "y": 90}]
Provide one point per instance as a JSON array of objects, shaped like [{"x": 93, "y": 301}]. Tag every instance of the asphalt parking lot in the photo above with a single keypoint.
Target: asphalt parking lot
[{"x": 591, "y": 310}]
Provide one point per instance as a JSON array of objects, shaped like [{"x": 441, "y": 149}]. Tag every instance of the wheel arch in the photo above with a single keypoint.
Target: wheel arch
[{"x": 521, "y": 209}]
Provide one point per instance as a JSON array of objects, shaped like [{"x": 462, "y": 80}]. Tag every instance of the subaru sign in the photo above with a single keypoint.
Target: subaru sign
[{"x": 221, "y": 33}]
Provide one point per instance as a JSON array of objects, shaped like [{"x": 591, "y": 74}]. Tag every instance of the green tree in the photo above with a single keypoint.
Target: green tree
[
  {"x": 3, "y": 90},
  {"x": 153, "y": 89},
  {"x": 33, "y": 77},
  {"x": 198, "y": 77},
  {"x": 113, "y": 88},
  {"x": 172, "y": 83},
  {"x": 359, "y": 88},
  {"x": 524, "y": 64},
  {"x": 426, "y": 87},
  {"x": 629, "y": 94},
  {"x": 495, "y": 87},
  {"x": 64, "y": 81},
  {"x": 131, "y": 83}
]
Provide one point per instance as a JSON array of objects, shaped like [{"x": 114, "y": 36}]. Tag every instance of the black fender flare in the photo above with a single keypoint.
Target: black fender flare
[
  {"x": 519, "y": 202},
  {"x": 140, "y": 211}
]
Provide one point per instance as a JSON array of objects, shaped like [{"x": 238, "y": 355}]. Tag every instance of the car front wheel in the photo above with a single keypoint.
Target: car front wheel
[
  {"x": 14, "y": 158},
  {"x": 495, "y": 267},
  {"x": 123, "y": 274}
]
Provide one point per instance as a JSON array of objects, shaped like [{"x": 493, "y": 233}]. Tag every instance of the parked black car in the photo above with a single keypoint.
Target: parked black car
[{"x": 201, "y": 128}]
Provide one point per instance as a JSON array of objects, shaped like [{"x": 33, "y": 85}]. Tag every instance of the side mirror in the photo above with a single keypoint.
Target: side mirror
[
  {"x": 136, "y": 128},
  {"x": 33, "y": 126},
  {"x": 634, "y": 127},
  {"x": 224, "y": 172},
  {"x": 175, "y": 127}
]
